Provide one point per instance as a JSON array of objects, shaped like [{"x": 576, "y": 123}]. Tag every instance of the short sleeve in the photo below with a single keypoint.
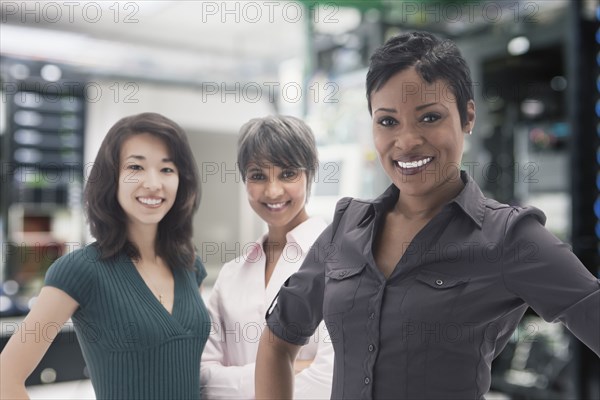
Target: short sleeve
[
  {"x": 544, "y": 272},
  {"x": 297, "y": 310},
  {"x": 199, "y": 271},
  {"x": 74, "y": 273}
]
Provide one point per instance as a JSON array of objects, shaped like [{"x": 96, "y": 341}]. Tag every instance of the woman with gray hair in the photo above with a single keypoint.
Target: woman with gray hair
[{"x": 277, "y": 158}]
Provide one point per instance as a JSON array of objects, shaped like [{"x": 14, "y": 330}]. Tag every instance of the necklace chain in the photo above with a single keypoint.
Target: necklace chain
[{"x": 142, "y": 269}]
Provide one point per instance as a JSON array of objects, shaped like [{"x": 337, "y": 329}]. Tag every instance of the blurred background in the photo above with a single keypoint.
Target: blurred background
[{"x": 69, "y": 70}]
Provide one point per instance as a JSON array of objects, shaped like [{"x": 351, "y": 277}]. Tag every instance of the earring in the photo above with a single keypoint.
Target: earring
[{"x": 469, "y": 133}]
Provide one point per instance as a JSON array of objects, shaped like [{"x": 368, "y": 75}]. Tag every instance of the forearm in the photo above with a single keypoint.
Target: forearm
[
  {"x": 315, "y": 381},
  {"x": 23, "y": 352},
  {"x": 312, "y": 383},
  {"x": 274, "y": 375},
  {"x": 301, "y": 365},
  {"x": 227, "y": 382},
  {"x": 11, "y": 376},
  {"x": 583, "y": 320},
  {"x": 12, "y": 390}
]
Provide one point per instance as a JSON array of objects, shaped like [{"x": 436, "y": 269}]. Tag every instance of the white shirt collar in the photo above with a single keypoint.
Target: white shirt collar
[{"x": 303, "y": 235}]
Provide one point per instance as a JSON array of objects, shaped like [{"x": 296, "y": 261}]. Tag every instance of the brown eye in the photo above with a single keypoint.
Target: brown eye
[
  {"x": 431, "y": 117},
  {"x": 255, "y": 177},
  {"x": 387, "y": 121},
  {"x": 289, "y": 174}
]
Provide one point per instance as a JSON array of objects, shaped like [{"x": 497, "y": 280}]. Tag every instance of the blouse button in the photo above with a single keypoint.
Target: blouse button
[
  {"x": 372, "y": 316},
  {"x": 439, "y": 282},
  {"x": 367, "y": 380},
  {"x": 371, "y": 347},
  {"x": 343, "y": 273}
]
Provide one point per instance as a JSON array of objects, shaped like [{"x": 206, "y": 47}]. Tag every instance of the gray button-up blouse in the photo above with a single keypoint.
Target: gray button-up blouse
[{"x": 432, "y": 329}]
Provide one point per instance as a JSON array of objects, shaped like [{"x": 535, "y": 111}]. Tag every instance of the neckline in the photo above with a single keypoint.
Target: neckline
[{"x": 151, "y": 294}]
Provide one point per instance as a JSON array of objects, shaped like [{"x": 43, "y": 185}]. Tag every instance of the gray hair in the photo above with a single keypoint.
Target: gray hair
[{"x": 284, "y": 141}]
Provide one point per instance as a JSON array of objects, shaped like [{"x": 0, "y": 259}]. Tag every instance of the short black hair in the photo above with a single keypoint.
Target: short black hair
[
  {"x": 433, "y": 58},
  {"x": 284, "y": 141}
]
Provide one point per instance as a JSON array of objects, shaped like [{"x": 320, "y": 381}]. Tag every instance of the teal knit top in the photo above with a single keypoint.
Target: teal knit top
[{"x": 133, "y": 347}]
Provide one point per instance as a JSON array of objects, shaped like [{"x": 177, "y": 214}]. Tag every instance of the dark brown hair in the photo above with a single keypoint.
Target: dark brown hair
[{"x": 106, "y": 217}]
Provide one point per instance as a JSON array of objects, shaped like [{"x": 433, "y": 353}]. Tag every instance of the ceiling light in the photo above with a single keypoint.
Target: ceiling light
[
  {"x": 51, "y": 73},
  {"x": 518, "y": 45}
]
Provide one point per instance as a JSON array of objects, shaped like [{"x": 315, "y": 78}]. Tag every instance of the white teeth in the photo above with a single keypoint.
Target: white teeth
[
  {"x": 150, "y": 202},
  {"x": 275, "y": 205},
  {"x": 414, "y": 164}
]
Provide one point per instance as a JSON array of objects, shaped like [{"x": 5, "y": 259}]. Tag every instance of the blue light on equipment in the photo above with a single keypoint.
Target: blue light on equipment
[{"x": 597, "y": 207}]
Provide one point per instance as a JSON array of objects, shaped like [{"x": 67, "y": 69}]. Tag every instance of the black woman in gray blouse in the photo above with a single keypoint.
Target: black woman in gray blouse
[{"x": 393, "y": 276}]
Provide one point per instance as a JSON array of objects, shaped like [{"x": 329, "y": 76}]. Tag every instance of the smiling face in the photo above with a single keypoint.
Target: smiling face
[
  {"x": 277, "y": 195},
  {"x": 418, "y": 134},
  {"x": 148, "y": 180}
]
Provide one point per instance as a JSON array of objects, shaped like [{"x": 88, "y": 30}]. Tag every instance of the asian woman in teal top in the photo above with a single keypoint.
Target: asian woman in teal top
[{"x": 133, "y": 295}]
